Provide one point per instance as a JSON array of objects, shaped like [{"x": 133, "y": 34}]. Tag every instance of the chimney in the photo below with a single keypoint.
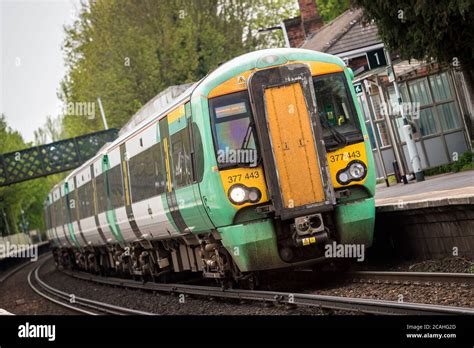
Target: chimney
[{"x": 299, "y": 28}]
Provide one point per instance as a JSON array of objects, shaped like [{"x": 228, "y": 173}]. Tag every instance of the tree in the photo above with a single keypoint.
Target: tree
[
  {"x": 49, "y": 132},
  {"x": 127, "y": 51},
  {"x": 443, "y": 30},
  {"x": 27, "y": 196},
  {"x": 330, "y": 9}
]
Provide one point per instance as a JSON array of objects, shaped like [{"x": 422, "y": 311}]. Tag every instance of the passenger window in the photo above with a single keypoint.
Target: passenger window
[
  {"x": 160, "y": 177},
  {"x": 60, "y": 211},
  {"x": 86, "y": 207},
  {"x": 100, "y": 193},
  {"x": 145, "y": 178},
  {"x": 198, "y": 154},
  {"x": 53, "y": 214},
  {"x": 71, "y": 208},
  {"x": 115, "y": 186},
  {"x": 181, "y": 158}
]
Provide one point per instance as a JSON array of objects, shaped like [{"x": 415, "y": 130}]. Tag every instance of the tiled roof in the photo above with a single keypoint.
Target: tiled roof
[
  {"x": 358, "y": 36},
  {"x": 342, "y": 34}
]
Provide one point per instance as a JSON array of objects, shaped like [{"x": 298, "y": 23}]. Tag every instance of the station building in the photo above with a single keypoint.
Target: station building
[{"x": 439, "y": 102}]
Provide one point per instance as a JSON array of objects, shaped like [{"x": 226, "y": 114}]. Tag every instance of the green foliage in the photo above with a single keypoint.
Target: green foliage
[
  {"x": 330, "y": 9},
  {"x": 442, "y": 29},
  {"x": 464, "y": 162},
  {"x": 28, "y": 196},
  {"x": 127, "y": 51},
  {"x": 51, "y": 131}
]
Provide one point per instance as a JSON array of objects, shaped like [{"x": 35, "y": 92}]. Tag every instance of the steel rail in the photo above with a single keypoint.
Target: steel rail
[
  {"x": 50, "y": 292},
  {"x": 321, "y": 301},
  {"x": 51, "y": 299},
  {"x": 415, "y": 277}
]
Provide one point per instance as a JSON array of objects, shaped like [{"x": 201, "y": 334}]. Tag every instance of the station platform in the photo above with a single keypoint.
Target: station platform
[
  {"x": 427, "y": 220},
  {"x": 439, "y": 190}
]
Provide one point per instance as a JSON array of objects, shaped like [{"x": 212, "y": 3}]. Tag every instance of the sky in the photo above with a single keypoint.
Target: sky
[{"x": 31, "y": 60}]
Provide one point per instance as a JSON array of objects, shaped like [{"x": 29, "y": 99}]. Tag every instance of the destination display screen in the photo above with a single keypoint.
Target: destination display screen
[{"x": 231, "y": 110}]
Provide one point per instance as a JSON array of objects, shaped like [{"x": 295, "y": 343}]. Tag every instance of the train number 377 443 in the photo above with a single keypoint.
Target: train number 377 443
[{"x": 345, "y": 156}]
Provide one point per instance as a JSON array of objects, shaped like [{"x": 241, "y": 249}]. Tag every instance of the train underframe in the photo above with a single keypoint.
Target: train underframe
[{"x": 231, "y": 255}]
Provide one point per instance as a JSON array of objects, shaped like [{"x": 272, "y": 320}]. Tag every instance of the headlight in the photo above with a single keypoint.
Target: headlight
[
  {"x": 355, "y": 171},
  {"x": 254, "y": 195},
  {"x": 237, "y": 194},
  {"x": 240, "y": 194},
  {"x": 343, "y": 177}
]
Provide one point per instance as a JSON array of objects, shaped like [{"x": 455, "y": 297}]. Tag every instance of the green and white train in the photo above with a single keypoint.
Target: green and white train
[{"x": 258, "y": 166}]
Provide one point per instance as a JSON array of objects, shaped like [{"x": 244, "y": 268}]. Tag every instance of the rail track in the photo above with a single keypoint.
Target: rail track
[
  {"x": 360, "y": 305},
  {"x": 416, "y": 278},
  {"x": 78, "y": 304}
]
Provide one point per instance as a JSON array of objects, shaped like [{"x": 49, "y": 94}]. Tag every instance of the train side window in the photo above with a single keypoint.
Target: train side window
[
  {"x": 160, "y": 177},
  {"x": 80, "y": 204},
  {"x": 142, "y": 175},
  {"x": 52, "y": 208},
  {"x": 47, "y": 221},
  {"x": 51, "y": 211},
  {"x": 181, "y": 158},
  {"x": 85, "y": 208},
  {"x": 55, "y": 214},
  {"x": 71, "y": 208},
  {"x": 60, "y": 211},
  {"x": 115, "y": 186},
  {"x": 198, "y": 151},
  {"x": 64, "y": 206},
  {"x": 100, "y": 193},
  {"x": 51, "y": 221},
  {"x": 89, "y": 199}
]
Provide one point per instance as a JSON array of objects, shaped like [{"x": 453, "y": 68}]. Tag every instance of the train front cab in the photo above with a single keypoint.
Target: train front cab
[{"x": 311, "y": 181}]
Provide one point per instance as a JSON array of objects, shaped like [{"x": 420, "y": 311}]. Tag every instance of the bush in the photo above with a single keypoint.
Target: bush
[{"x": 465, "y": 162}]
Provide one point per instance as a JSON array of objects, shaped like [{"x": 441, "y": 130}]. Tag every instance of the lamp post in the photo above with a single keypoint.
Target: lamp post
[{"x": 102, "y": 113}]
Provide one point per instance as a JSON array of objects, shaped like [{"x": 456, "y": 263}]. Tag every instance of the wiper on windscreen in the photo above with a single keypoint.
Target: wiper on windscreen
[
  {"x": 246, "y": 140},
  {"x": 339, "y": 137}
]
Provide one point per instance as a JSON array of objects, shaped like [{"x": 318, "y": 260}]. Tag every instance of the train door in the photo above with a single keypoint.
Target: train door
[
  {"x": 178, "y": 139},
  {"x": 291, "y": 140},
  {"x": 70, "y": 210}
]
